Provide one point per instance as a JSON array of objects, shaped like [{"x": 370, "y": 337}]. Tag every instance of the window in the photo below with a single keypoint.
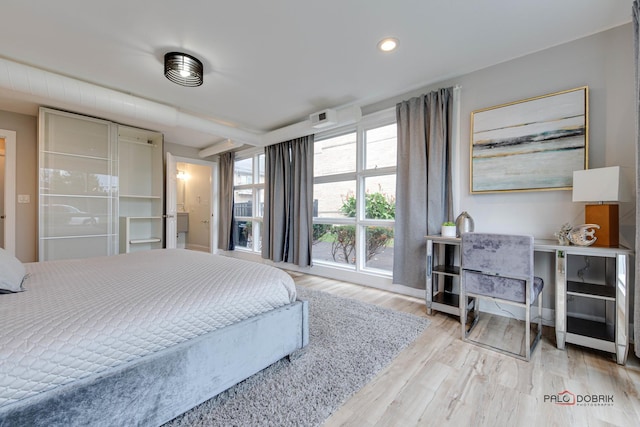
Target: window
[
  {"x": 334, "y": 155},
  {"x": 354, "y": 195},
  {"x": 248, "y": 197}
]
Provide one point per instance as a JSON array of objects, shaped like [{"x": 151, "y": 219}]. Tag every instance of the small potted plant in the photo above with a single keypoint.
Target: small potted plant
[{"x": 448, "y": 229}]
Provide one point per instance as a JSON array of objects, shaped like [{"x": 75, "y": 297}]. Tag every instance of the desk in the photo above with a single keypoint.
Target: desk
[{"x": 612, "y": 290}]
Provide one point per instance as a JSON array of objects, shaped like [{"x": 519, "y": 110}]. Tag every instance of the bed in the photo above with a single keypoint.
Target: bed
[{"x": 139, "y": 338}]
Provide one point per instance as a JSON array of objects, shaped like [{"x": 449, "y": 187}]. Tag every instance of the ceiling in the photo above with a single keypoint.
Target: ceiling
[{"x": 269, "y": 64}]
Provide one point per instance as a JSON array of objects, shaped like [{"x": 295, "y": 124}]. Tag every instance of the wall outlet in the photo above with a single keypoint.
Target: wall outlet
[{"x": 24, "y": 198}]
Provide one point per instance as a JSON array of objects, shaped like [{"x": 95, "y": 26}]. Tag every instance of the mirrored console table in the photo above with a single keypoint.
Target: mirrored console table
[
  {"x": 591, "y": 291},
  {"x": 577, "y": 298},
  {"x": 443, "y": 275}
]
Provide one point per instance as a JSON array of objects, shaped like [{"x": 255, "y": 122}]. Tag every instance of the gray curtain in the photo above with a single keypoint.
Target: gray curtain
[
  {"x": 423, "y": 185},
  {"x": 226, "y": 221},
  {"x": 636, "y": 304},
  {"x": 288, "y": 202}
]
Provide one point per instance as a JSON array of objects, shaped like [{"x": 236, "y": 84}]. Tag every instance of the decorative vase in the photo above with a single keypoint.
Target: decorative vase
[
  {"x": 464, "y": 224},
  {"x": 448, "y": 231}
]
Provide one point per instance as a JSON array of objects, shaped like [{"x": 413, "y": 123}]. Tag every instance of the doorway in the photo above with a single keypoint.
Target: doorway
[
  {"x": 195, "y": 209},
  {"x": 193, "y": 206},
  {"x": 2, "y": 215},
  {"x": 8, "y": 190}
]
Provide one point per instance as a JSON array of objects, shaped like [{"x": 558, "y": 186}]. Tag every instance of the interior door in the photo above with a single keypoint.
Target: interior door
[
  {"x": 171, "y": 217},
  {"x": 198, "y": 203}
]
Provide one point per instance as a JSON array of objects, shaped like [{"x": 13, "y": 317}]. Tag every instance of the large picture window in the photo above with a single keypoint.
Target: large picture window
[
  {"x": 354, "y": 195},
  {"x": 248, "y": 197}
]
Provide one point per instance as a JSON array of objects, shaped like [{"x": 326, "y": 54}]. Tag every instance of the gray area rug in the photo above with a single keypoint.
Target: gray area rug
[{"x": 349, "y": 343}]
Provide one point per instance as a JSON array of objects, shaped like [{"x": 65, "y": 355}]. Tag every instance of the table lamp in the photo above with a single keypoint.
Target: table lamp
[{"x": 601, "y": 186}]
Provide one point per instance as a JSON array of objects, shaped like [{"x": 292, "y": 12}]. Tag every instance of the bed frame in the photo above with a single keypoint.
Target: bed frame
[{"x": 156, "y": 388}]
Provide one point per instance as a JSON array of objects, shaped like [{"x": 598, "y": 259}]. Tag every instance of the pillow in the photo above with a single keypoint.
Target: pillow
[{"x": 12, "y": 273}]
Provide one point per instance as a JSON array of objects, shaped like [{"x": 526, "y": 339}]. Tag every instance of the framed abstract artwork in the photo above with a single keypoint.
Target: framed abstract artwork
[{"x": 530, "y": 145}]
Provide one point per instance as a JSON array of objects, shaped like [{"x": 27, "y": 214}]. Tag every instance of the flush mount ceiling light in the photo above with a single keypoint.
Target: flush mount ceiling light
[
  {"x": 183, "y": 69},
  {"x": 388, "y": 44}
]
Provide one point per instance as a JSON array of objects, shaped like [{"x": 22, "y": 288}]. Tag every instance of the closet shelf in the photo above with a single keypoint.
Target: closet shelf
[
  {"x": 139, "y": 196},
  {"x": 143, "y": 217},
  {"x": 149, "y": 240}
]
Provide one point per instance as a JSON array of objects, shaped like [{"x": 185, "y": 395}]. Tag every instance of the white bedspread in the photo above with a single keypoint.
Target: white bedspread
[{"x": 80, "y": 317}]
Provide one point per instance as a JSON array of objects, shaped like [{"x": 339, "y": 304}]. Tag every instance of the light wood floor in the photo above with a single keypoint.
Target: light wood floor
[{"x": 440, "y": 380}]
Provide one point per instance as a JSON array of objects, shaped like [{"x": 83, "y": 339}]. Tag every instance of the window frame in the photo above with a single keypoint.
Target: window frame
[
  {"x": 372, "y": 121},
  {"x": 256, "y": 186}
]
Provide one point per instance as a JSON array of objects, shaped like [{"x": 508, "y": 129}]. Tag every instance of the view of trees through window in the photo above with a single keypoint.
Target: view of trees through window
[
  {"x": 350, "y": 230},
  {"x": 353, "y": 197}
]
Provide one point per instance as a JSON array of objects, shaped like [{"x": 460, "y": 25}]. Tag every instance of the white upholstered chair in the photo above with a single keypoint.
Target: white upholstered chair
[{"x": 499, "y": 268}]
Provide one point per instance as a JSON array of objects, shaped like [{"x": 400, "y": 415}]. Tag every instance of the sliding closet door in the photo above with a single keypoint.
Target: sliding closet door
[{"x": 78, "y": 195}]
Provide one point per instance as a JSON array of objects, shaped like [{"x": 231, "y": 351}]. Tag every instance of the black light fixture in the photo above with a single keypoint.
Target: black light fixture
[{"x": 183, "y": 69}]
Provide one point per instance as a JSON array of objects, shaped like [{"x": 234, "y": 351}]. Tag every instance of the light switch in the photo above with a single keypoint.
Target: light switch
[{"x": 24, "y": 198}]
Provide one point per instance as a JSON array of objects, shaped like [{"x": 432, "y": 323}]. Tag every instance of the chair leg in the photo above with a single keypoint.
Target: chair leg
[
  {"x": 465, "y": 313},
  {"x": 527, "y": 333},
  {"x": 538, "y": 336},
  {"x": 474, "y": 313},
  {"x": 540, "y": 316}
]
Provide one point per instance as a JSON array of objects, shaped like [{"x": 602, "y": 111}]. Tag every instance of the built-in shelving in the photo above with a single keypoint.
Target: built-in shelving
[
  {"x": 140, "y": 233},
  {"x": 92, "y": 172},
  {"x": 141, "y": 241},
  {"x": 141, "y": 189}
]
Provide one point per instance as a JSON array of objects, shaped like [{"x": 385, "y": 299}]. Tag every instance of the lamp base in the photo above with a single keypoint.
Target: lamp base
[{"x": 606, "y": 216}]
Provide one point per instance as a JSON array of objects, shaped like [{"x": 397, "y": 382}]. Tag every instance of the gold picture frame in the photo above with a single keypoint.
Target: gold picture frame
[{"x": 530, "y": 145}]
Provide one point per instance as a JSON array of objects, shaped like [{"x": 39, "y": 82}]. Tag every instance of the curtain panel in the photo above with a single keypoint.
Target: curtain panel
[
  {"x": 636, "y": 304},
  {"x": 288, "y": 202},
  {"x": 226, "y": 221},
  {"x": 423, "y": 185}
]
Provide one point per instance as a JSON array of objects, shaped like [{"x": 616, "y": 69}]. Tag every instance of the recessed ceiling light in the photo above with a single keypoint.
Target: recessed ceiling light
[{"x": 387, "y": 45}]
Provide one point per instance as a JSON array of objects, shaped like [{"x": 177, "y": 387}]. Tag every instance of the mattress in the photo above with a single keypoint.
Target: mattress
[{"x": 81, "y": 317}]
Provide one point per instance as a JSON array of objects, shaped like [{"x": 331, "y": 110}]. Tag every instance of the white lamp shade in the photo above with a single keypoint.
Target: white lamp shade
[{"x": 600, "y": 185}]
